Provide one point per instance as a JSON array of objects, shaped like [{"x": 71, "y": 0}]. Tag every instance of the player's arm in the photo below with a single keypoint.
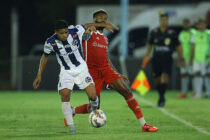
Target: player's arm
[
  {"x": 107, "y": 26},
  {"x": 42, "y": 65},
  {"x": 192, "y": 54},
  {"x": 180, "y": 55},
  {"x": 146, "y": 57}
]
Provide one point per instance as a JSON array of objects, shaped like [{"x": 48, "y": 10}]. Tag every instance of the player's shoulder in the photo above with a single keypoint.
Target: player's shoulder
[{"x": 51, "y": 39}]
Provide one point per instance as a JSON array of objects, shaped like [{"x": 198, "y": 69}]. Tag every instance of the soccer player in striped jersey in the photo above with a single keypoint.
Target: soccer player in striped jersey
[
  {"x": 67, "y": 43},
  {"x": 95, "y": 47}
]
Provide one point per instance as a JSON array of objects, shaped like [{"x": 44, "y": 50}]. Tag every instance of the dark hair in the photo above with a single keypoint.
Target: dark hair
[
  {"x": 186, "y": 20},
  {"x": 98, "y": 12},
  {"x": 163, "y": 15},
  {"x": 60, "y": 24}
]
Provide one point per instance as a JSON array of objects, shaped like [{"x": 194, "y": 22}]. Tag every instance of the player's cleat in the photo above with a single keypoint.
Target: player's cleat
[
  {"x": 72, "y": 129},
  {"x": 148, "y": 128},
  {"x": 182, "y": 95},
  {"x": 161, "y": 103}
]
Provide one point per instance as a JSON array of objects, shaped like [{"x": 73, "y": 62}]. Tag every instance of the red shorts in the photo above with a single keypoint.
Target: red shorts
[{"x": 102, "y": 77}]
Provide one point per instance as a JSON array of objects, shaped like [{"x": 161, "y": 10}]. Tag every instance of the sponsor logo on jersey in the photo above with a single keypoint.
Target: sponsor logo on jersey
[
  {"x": 167, "y": 41},
  {"x": 97, "y": 38},
  {"x": 88, "y": 79},
  {"x": 96, "y": 44}
]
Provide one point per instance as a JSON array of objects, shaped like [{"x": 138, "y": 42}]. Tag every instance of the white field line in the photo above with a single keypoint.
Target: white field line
[{"x": 164, "y": 111}]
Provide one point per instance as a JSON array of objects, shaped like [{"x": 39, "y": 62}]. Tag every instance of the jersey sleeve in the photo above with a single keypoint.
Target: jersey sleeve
[
  {"x": 151, "y": 38},
  {"x": 81, "y": 29},
  {"x": 48, "y": 48}
]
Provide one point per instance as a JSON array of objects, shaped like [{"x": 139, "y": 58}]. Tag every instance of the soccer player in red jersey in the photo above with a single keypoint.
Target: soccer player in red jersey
[{"x": 95, "y": 48}]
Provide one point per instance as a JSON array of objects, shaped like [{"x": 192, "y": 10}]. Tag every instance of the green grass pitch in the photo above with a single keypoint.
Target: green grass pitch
[{"x": 38, "y": 116}]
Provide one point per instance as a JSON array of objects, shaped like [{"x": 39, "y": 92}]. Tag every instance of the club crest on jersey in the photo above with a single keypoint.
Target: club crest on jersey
[
  {"x": 75, "y": 42},
  {"x": 88, "y": 79},
  {"x": 167, "y": 41}
]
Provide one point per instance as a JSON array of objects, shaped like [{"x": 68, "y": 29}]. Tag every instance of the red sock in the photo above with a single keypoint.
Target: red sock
[
  {"x": 83, "y": 109},
  {"x": 134, "y": 106}
]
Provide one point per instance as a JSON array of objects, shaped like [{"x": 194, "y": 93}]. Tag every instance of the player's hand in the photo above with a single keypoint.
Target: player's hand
[
  {"x": 90, "y": 29},
  {"x": 37, "y": 82},
  {"x": 125, "y": 78},
  {"x": 110, "y": 27}
]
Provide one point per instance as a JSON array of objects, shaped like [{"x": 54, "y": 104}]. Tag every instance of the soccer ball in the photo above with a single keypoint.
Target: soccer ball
[{"x": 97, "y": 118}]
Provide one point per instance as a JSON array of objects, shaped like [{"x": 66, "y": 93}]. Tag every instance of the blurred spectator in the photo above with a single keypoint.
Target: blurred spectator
[
  {"x": 185, "y": 39},
  {"x": 200, "y": 46}
]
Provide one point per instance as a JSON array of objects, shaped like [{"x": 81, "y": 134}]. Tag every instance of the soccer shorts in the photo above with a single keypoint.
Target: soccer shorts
[
  {"x": 159, "y": 67},
  {"x": 103, "y": 76},
  {"x": 199, "y": 67},
  {"x": 79, "y": 76},
  {"x": 187, "y": 69}
]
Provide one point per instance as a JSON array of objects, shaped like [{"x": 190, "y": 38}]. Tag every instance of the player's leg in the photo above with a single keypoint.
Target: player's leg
[
  {"x": 65, "y": 87},
  {"x": 184, "y": 82},
  {"x": 207, "y": 81},
  {"x": 85, "y": 81},
  {"x": 197, "y": 82},
  {"x": 98, "y": 80},
  {"x": 66, "y": 108},
  {"x": 164, "y": 79},
  {"x": 117, "y": 83},
  {"x": 207, "y": 84},
  {"x": 121, "y": 87},
  {"x": 91, "y": 93}
]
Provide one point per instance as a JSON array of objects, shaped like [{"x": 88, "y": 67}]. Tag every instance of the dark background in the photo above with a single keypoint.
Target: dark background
[{"x": 36, "y": 18}]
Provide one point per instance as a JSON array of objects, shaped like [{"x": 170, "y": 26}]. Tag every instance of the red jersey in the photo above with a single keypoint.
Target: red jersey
[{"x": 96, "y": 50}]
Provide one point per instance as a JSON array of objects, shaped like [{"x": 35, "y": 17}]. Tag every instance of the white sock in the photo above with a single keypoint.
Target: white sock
[
  {"x": 185, "y": 84},
  {"x": 142, "y": 121},
  {"x": 94, "y": 104},
  {"x": 207, "y": 85},
  {"x": 198, "y": 86},
  {"x": 66, "y": 108}
]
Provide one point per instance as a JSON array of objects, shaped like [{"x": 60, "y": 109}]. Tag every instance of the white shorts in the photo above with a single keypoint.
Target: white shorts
[
  {"x": 199, "y": 67},
  {"x": 79, "y": 76},
  {"x": 187, "y": 69}
]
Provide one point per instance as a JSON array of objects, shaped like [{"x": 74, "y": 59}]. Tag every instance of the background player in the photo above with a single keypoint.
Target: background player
[
  {"x": 95, "y": 49},
  {"x": 66, "y": 43},
  {"x": 199, "y": 53},
  {"x": 185, "y": 39},
  {"x": 163, "y": 41}
]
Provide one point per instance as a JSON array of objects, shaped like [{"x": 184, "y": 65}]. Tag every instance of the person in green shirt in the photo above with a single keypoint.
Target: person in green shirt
[
  {"x": 185, "y": 40},
  {"x": 199, "y": 52}
]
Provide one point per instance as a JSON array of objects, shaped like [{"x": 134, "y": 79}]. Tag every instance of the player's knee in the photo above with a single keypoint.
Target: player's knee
[{"x": 65, "y": 95}]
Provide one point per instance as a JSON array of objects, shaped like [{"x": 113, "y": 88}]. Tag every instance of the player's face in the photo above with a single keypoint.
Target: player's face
[
  {"x": 186, "y": 25},
  {"x": 164, "y": 21},
  {"x": 62, "y": 34},
  {"x": 201, "y": 25},
  {"x": 100, "y": 18}
]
